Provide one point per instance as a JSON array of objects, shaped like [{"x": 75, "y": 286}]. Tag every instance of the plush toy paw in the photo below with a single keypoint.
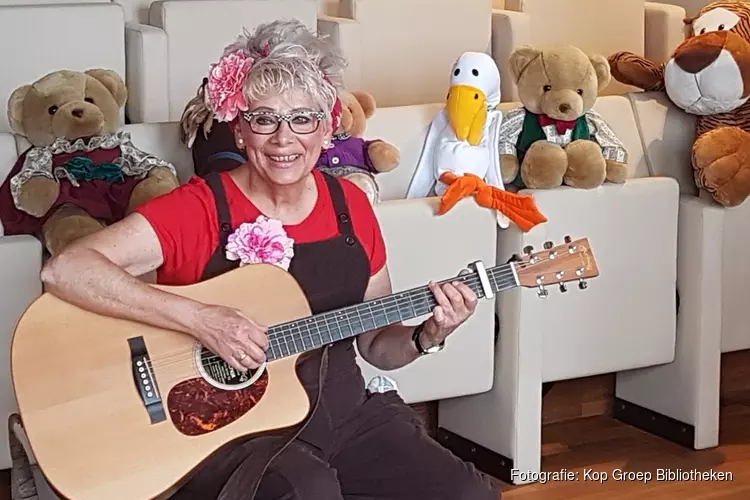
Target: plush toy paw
[
  {"x": 66, "y": 225},
  {"x": 367, "y": 184},
  {"x": 508, "y": 168},
  {"x": 616, "y": 172},
  {"x": 721, "y": 164},
  {"x": 544, "y": 165},
  {"x": 38, "y": 195},
  {"x": 587, "y": 168},
  {"x": 384, "y": 157},
  {"x": 159, "y": 181}
]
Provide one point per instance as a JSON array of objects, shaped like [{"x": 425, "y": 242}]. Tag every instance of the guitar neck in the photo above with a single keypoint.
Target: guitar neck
[{"x": 315, "y": 331}]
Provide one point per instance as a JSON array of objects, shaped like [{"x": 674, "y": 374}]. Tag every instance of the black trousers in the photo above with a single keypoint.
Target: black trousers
[{"x": 382, "y": 453}]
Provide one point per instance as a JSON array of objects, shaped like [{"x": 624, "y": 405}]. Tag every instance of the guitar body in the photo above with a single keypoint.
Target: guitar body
[{"x": 85, "y": 386}]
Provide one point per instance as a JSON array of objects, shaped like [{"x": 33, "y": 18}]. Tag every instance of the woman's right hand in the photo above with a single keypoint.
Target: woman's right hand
[{"x": 234, "y": 337}]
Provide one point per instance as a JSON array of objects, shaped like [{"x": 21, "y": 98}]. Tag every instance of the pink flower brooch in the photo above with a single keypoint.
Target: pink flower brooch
[
  {"x": 225, "y": 88},
  {"x": 262, "y": 241}
]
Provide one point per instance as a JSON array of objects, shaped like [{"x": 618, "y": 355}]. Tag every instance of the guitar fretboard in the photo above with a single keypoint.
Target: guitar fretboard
[{"x": 315, "y": 331}]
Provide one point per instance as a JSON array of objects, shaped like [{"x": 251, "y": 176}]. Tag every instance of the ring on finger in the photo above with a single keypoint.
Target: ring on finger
[{"x": 242, "y": 356}]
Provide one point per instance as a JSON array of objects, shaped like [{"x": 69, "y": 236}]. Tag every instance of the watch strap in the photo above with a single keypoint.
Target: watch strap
[{"x": 418, "y": 344}]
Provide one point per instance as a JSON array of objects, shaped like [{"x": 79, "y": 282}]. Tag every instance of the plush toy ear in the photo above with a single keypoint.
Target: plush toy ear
[
  {"x": 113, "y": 82},
  {"x": 366, "y": 100},
  {"x": 15, "y": 109},
  {"x": 601, "y": 66},
  {"x": 520, "y": 58}
]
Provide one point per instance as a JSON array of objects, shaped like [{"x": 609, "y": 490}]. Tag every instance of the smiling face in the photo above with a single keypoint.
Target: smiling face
[
  {"x": 287, "y": 155},
  {"x": 709, "y": 72}
]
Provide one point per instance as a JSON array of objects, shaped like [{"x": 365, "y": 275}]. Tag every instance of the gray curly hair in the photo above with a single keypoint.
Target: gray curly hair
[{"x": 287, "y": 56}]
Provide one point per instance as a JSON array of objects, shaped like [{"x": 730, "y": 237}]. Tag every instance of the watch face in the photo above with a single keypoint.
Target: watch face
[{"x": 433, "y": 349}]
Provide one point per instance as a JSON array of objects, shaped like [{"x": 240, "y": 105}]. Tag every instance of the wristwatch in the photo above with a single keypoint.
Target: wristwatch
[{"x": 418, "y": 344}]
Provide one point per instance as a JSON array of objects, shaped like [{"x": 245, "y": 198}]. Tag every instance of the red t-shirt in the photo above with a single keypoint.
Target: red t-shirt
[{"x": 187, "y": 226}]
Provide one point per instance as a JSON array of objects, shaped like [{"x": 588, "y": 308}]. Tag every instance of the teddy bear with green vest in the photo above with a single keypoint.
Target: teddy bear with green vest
[{"x": 556, "y": 138}]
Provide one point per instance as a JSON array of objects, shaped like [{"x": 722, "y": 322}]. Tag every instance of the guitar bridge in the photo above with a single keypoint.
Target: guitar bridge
[{"x": 145, "y": 381}]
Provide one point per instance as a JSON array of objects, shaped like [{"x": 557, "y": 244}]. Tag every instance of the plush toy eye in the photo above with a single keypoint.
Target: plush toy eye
[
  {"x": 721, "y": 27},
  {"x": 547, "y": 88},
  {"x": 89, "y": 99},
  {"x": 580, "y": 91},
  {"x": 458, "y": 70},
  {"x": 703, "y": 31},
  {"x": 475, "y": 72},
  {"x": 52, "y": 109}
]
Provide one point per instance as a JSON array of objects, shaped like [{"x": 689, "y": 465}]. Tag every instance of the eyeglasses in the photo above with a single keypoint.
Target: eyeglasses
[{"x": 267, "y": 122}]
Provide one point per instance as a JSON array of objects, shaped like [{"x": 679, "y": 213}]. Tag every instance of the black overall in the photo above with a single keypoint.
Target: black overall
[{"x": 353, "y": 444}]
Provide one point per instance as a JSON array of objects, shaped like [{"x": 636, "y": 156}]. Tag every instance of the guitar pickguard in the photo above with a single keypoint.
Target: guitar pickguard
[{"x": 197, "y": 407}]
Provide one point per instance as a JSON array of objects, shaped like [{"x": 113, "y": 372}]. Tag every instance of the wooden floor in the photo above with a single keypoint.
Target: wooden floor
[
  {"x": 579, "y": 435},
  {"x": 603, "y": 445}
]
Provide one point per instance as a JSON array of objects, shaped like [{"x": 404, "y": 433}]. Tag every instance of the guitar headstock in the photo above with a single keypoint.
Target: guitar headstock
[{"x": 557, "y": 265}]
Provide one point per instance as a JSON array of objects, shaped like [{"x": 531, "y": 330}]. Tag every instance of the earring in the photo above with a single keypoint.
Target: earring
[
  {"x": 327, "y": 144},
  {"x": 240, "y": 142}
]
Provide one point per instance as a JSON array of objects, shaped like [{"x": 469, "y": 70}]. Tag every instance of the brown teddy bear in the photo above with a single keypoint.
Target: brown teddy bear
[
  {"x": 556, "y": 137},
  {"x": 80, "y": 172},
  {"x": 349, "y": 155}
]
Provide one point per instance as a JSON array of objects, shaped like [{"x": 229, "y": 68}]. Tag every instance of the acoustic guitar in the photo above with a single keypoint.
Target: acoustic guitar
[{"x": 117, "y": 410}]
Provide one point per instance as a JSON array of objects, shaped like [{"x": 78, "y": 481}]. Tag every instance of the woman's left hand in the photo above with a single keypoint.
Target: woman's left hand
[{"x": 456, "y": 303}]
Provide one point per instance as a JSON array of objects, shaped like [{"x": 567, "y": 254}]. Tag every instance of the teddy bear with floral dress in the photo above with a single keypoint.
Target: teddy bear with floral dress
[{"x": 81, "y": 172}]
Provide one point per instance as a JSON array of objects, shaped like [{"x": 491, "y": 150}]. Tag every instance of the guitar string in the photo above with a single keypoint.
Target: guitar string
[
  {"x": 164, "y": 377},
  {"x": 499, "y": 272},
  {"x": 391, "y": 305}
]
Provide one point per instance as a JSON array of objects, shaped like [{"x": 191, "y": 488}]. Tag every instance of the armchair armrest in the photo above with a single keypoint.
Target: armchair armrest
[
  {"x": 146, "y": 74},
  {"x": 21, "y": 258},
  {"x": 345, "y": 33},
  {"x": 688, "y": 388},
  {"x": 665, "y": 30},
  {"x": 443, "y": 245},
  {"x": 632, "y": 230},
  {"x": 510, "y": 29}
]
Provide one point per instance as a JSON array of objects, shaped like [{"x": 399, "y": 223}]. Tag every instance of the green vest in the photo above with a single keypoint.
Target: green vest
[{"x": 531, "y": 132}]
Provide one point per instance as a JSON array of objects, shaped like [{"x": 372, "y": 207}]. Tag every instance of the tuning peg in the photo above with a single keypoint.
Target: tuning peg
[
  {"x": 582, "y": 284},
  {"x": 568, "y": 239},
  {"x": 542, "y": 292},
  {"x": 528, "y": 249},
  {"x": 548, "y": 245},
  {"x": 563, "y": 287}
]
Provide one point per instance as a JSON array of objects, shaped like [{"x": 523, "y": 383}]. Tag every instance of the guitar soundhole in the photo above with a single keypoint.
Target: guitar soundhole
[
  {"x": 221, "y": 374},
  {"x": 216, "y": 399}
]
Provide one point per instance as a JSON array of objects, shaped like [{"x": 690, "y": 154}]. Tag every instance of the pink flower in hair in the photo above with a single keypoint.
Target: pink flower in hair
[
  {"x": 263, "y": 241},
  {"x": 226, "y": 81}
]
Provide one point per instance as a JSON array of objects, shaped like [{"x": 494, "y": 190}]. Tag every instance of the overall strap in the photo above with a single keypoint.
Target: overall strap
[
  {"x": 339, "y": 206},
  {"x": 222, "y": 207}
]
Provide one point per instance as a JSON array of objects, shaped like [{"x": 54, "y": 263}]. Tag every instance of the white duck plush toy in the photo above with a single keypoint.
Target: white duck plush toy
[{"x": 460, "y": 156}]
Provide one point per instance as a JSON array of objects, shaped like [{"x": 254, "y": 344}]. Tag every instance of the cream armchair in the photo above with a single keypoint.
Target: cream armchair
[
  {"x": 624, "y": 320},
  {"x": 680, "y": 401}
]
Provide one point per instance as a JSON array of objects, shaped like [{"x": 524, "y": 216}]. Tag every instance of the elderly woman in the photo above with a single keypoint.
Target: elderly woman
[{"x": 277, "y": 89}]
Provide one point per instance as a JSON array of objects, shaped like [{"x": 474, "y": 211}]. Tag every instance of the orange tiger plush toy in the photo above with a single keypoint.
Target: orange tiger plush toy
[{"x": 708, "y": 75}]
